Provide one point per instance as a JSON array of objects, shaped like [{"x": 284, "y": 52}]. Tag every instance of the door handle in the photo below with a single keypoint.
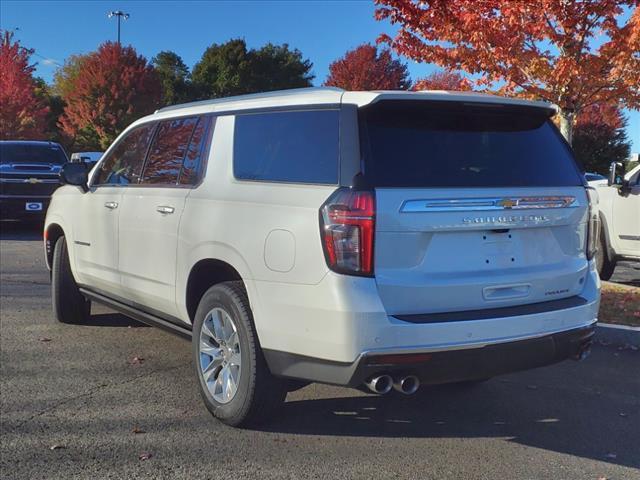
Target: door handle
[
  {"x": 111, "y": 205},
  {"x": 165, "y": 209}
]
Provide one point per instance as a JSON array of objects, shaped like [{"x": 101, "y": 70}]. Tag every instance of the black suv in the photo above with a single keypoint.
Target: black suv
[{"x": 28, "y": 176}]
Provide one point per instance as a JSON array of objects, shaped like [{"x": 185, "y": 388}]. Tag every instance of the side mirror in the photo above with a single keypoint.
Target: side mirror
[
  {"x": 616, "y": 174},
  {"x": 75, "y": 174}
]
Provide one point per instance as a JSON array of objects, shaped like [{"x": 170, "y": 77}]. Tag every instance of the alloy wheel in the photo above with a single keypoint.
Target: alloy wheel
[{"x": 220, "y": 356}]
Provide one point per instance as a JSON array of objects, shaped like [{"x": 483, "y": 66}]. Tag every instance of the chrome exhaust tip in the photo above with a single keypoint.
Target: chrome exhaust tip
[
  {"x": 380, "y": 384},
  {"x": 407, "y": 385},
  {"x": 584, "y": 351}
]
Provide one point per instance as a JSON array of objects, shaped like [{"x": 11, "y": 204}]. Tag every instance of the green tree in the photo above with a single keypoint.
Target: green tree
[
  {"x": 276, "y": 67},
  {"x": 55, "y": 105},
  {"x": 175, "y": 78},
  {"x": 232, "y": 69},
  {"x": 65, "y": 76},
  {"x": 599, "y": 137}
]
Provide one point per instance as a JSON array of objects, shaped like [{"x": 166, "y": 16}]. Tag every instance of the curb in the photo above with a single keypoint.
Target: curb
[{"x": 608, "y": 333}]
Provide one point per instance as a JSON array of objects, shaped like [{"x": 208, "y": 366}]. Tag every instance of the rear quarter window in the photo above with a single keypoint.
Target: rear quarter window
[
  {"x": 297, "y": 147},
  {"x": 418, "y": 145}
]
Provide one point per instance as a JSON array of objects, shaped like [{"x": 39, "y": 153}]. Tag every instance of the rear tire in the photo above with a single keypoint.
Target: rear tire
[
  {"x": 69, "y": 305},
  {"x": 234, "y": 379},
  {"x": 604, "y": 264}
]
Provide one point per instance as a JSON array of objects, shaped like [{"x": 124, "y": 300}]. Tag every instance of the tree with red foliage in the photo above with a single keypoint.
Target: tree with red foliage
[
  {"x": 22, "y": 113},
  {"x": 363, "y": 68},
  {"x": 114, "y": 86},
  {"x": 443, "y": 80},
  {"x": 599, "y": 137},
  {"x": 574, "y": 54}
]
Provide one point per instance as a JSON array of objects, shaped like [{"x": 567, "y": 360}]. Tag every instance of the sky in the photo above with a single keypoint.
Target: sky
[{"x": 322, "y": 30}]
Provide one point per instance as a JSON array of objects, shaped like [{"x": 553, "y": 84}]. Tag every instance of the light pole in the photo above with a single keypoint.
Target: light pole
[{"x": 120, "y": 14}]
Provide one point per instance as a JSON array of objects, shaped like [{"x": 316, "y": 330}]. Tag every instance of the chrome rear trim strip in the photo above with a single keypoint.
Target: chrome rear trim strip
[{"x": 486, "y": 204}]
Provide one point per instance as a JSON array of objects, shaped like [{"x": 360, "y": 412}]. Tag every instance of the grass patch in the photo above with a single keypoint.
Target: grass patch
[{"x": 620, "y": 304}]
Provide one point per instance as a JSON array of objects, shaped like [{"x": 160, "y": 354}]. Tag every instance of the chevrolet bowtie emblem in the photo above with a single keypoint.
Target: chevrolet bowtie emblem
[
  {"x": 32, "y": 180},
  {"x": 507, "y": 203}
]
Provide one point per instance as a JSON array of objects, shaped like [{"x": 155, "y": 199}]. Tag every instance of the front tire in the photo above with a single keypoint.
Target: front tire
[
  {"x": 234, "y": 379},
  {"x": 69, "y": 305}
]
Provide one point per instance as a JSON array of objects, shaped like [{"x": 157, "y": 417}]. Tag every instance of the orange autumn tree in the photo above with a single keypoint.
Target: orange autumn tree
[
  {"x": 443, "y": 80},
  {"x": 572, "y": 53},
  {"x": 113, "y": 87},
  {"x": 22, "y": 113},
  {"x": 364, "y": 68}
]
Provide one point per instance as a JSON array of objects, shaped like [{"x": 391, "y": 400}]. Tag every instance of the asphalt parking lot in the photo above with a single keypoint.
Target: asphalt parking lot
[{"x": 89, "y": 401}]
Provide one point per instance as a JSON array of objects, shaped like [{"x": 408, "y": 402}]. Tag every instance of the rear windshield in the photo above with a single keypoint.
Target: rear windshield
[
  {"x": 31, "y": 153},
  {"x": 428, "y": 145}
]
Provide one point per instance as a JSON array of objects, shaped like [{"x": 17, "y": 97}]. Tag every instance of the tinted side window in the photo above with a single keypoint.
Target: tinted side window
[
  {"x": 168, "y": 150},
  {"x": 193, "y": 161},
  {"x": 124, "y": 163},
  {"x": 287, "y": 146}
]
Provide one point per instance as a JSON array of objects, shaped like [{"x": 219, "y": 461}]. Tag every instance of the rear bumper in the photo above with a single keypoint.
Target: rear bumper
[
  {"x": 329, "y": 332},
  {"x": 341, "y": 318},
  {"x": 438, "y": 367}
]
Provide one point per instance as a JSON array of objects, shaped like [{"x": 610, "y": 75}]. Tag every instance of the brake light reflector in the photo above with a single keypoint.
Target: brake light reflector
[{"x": 347, "y": 227}]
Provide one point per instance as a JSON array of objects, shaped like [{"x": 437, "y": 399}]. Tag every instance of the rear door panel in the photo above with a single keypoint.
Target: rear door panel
[{"x": 148, "y": 244}]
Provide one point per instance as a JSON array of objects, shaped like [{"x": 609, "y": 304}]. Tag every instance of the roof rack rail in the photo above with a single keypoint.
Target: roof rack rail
[{"x": 250, "y": 96}]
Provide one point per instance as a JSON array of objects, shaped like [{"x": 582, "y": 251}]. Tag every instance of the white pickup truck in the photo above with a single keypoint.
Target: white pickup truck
[{"x": 619, "y": 202}]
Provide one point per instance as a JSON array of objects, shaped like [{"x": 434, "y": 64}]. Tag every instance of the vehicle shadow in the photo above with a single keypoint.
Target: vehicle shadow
[
  {"x": 631, "y": 283},
  {"x": 21, "y": 230},
  {"x": 112, "y": 320},
  {"x": 576, "y": 424},
  {"x": 627, "y": 273}
]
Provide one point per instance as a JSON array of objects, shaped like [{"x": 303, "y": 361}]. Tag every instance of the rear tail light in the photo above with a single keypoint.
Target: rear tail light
[
  {"x": 593, "y": 225},
  {"x": 347, "y": 225}
]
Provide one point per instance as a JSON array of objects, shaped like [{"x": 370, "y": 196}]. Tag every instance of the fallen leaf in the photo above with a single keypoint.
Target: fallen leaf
[
  {"x": 622, "y": 414},
  {"x": 611, "y": 455},
  {"x": 136, "y": 361},
  {"x": 57, "y": 447},
  {"x": 137, "y": 430},
  {"x": 145, "y": 456},
  {"x": 44, "y": 339}
]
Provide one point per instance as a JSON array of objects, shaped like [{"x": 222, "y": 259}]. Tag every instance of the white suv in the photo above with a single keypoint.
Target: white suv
[
  {"x": 619, "y": 205},
  {"x": 385, "y": 239}
]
